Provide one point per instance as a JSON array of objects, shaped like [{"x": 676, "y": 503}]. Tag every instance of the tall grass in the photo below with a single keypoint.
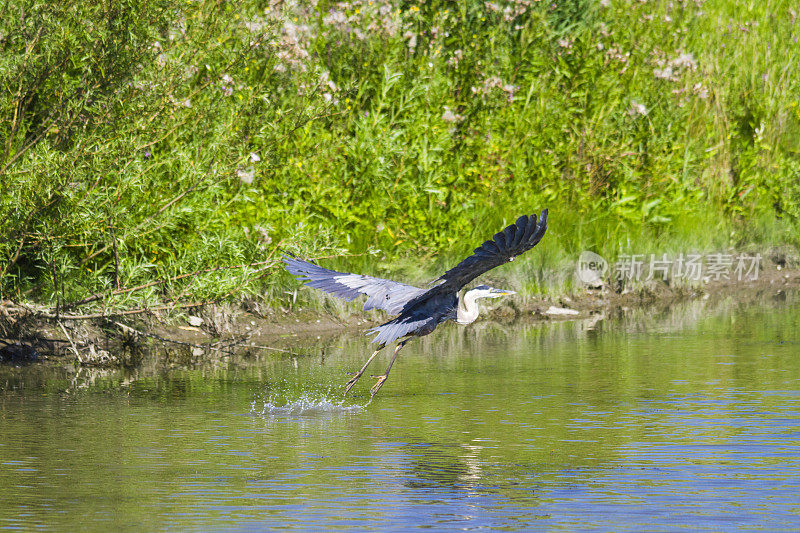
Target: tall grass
[{"x": 150, "y": 139}]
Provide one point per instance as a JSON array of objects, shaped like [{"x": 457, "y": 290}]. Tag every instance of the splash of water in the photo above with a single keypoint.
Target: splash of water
[{"x": 306, "y": 405}]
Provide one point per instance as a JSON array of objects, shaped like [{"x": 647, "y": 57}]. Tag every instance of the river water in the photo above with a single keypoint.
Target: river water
[{"x": 685, "y": 418}]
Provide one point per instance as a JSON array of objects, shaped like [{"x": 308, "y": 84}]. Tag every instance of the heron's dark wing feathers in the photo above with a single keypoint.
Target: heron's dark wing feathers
[
  {"x": 516, "y": 239},
  {"x": 384, "y": 294}
]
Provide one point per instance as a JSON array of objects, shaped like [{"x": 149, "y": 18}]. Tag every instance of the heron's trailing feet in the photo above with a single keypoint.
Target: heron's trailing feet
[
  {"x": 375, "y": 388},
  {"x": 352, "y": 381}
]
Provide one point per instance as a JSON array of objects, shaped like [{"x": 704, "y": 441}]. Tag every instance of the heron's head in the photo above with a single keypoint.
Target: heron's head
[{"x": 484, "y": 291}]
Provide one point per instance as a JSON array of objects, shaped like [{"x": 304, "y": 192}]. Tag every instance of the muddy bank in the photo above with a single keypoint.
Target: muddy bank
[{"x": 213, "y": 331}]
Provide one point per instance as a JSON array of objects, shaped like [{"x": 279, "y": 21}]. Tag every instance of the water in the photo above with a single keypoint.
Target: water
[{"x": 685, "y": 419}]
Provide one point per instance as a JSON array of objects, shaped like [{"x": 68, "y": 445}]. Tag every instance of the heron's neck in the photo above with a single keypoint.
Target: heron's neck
[{"x": 467, "y": 309}]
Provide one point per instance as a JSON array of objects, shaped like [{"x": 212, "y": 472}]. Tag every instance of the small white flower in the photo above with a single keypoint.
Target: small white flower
[
  {"x": 700, "y": 91},
  {"x": 325, "y": 79},
  {"x": 254, "y": 26},
  {"x": 684, "y": 61},
  {"x": 760, "y": 132},
  {"x": 246, "y": 175},
  {"x": 254, "y": 158},
  {"x": 450, "y": 117},
  {"x": 637, "y": 109},
  {"x": 663, "y": 73},
  {"x": 411, "y": 37}
]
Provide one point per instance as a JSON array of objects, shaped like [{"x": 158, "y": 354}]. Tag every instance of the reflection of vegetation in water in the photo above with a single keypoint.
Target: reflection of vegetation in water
[{"x": 138, "y": 149}]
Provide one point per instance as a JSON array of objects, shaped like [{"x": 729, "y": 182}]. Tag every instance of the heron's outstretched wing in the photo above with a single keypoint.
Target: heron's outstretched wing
[
  {"x": 516, "y": 239},
  {"x": 384, "y": 294}
]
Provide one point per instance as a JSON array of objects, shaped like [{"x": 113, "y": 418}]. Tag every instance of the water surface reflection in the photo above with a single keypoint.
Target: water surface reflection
[{"x": 636, "y": 422}]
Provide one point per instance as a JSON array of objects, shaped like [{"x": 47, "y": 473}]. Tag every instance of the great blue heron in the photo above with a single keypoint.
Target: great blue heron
[{"x": 421, "y": 310}]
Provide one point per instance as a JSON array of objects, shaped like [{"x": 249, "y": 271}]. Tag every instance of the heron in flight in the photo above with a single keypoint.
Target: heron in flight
[{"x": 418, "y": 310}]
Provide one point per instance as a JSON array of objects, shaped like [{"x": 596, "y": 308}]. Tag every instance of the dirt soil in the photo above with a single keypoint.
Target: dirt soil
[{"x": 215, "y": 331}]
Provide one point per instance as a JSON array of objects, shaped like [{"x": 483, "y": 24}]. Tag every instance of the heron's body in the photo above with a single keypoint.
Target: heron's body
[{"x": 419, "y": 311}]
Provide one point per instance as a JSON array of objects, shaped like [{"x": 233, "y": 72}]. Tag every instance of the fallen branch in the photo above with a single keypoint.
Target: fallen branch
[
  {"x": 74, "y": 348},
  {"x": 275, "y": 349}
]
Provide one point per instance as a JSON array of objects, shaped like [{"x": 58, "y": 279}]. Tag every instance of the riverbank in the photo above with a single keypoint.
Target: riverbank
[{"x": 209, "y": 332}]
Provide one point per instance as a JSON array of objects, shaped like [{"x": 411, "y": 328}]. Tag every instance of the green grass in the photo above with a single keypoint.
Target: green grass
[{"x": 146, "y": 140}]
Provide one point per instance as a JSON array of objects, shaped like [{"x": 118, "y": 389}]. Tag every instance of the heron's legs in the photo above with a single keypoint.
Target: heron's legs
[
  {"x": 375, "y": 388},
  {"x": 358, "y": 374}
]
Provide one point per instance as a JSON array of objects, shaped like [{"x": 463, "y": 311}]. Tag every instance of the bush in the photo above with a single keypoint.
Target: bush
[{"x": 161, "y": 140}]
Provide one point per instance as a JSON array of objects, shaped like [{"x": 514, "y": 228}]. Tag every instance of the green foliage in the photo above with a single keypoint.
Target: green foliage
[{"x": 149, "y": 139}]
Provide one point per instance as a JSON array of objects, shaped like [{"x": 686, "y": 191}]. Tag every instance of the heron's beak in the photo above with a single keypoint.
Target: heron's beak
[{"x": 501, "y": 292}]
